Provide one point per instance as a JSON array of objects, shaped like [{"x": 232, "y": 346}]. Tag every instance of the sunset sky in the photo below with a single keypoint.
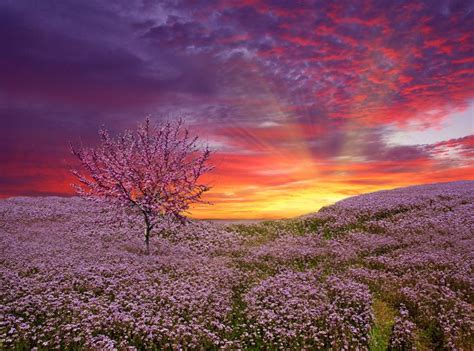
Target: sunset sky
[{"x": 303, "y": 102}]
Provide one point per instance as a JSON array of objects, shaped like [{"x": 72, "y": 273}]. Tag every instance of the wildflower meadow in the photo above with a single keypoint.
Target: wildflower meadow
[{"x": 387, "y": 270}]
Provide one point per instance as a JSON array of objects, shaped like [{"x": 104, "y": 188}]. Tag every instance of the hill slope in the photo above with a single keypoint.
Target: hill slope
[{"x": 389, "y": 268}]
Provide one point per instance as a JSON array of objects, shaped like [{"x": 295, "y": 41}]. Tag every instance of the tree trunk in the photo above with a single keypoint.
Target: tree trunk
[{"x": 147, "y": 239}]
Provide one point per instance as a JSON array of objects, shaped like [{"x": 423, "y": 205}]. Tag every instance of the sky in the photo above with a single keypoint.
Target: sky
[{"x": 303, "y": 102}]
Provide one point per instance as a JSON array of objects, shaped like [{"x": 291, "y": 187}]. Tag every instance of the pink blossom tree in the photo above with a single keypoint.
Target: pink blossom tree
[{"x": 154, "y": 170}]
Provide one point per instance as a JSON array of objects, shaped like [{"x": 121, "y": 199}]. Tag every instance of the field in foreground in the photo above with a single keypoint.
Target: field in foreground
[{"x": 391, "y": 269}]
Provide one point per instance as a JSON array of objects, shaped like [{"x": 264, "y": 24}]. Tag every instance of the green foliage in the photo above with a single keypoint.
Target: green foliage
[{"x": 384, "y": 320}]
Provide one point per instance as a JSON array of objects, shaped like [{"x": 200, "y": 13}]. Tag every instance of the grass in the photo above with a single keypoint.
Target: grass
[
  {"x": 263, "y": 232},
  {"x": 382, "y": 329}
]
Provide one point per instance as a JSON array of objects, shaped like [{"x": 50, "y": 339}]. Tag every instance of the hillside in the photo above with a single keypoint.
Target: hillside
[{"x": 387, "y": 269}]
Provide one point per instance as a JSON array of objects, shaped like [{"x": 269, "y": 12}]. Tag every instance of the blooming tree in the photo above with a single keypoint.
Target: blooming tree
[{"x": 154, "y": 170}]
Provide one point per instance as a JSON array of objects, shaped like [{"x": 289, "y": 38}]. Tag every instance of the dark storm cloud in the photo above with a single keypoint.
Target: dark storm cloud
[{"x": 88, "y": 65}]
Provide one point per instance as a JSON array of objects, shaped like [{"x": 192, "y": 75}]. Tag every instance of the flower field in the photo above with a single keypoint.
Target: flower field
[{"x": 387, "y": 270}]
